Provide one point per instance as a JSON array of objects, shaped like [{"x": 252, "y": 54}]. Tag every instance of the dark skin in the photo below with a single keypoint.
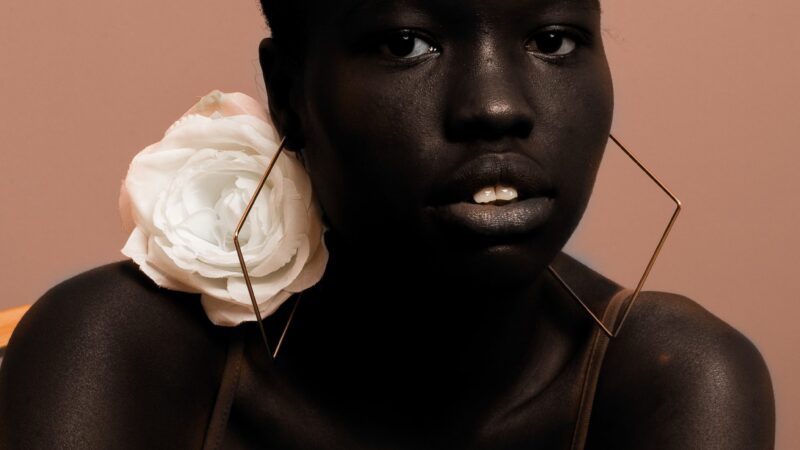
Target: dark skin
[{"x": 421, "y": 334}]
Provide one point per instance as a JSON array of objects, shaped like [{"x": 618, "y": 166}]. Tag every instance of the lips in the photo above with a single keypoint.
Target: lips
[
  {"x": 507, "y": 169},
  {"x": 454, "y": 205}
]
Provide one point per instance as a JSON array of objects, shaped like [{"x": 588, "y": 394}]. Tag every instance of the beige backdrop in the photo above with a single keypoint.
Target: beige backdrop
[{"x": 706, "y": 95}]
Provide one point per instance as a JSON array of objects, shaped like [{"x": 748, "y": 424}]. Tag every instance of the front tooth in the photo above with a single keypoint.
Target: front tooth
[
  {"x": 506, "y": 193},
  {"x": 485, "y": 195}
]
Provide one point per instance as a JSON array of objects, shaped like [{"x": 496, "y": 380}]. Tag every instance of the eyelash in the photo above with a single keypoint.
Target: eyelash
[
  {"x": 420, "y": 42},
  {"x": 575, "y": 38}
]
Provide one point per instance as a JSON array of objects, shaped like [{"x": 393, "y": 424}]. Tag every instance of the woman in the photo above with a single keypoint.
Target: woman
[{"x": 436, "y": 324}]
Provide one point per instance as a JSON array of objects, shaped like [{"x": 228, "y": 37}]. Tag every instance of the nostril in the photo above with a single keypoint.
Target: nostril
[
  {"x": 492, "y": 124},
  {"x": 507, "y": 118},
  {"x": 521, "y": 129},
  {"x": 490, "y": 115}
]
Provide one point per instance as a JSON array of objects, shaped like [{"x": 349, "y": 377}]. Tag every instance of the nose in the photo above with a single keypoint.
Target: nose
[{"x": 487, "y": 101}]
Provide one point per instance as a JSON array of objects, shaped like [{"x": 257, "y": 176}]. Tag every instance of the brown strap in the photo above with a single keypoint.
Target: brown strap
[
  {"x": 227, "y": 391},
  {"x": 600, "y": 343}
]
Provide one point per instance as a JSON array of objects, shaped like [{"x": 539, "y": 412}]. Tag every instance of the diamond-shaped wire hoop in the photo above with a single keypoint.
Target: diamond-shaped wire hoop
[
  {"x": 555, "y": 274},
  {"x": 244, "y": 265},
  {"x": 650, "y": 263}
]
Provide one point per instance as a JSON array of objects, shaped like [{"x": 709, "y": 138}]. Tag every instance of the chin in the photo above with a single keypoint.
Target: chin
[
  {"x": 498, "y": 246},
  {"x": 496, "y": 265}
]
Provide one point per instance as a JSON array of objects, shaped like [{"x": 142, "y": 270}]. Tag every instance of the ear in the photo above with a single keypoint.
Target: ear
[{"x": 278, "y": 77}]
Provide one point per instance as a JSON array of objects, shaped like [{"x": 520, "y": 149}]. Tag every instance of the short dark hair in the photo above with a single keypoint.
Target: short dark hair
[{"x": 287, "y": 21}]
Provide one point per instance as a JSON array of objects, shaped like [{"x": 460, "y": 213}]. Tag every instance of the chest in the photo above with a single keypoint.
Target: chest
[{"x": 267, "y": 411}]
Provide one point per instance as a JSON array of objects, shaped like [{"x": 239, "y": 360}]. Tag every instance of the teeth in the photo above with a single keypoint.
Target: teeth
[
  {"x": 506, "y": 193},
  {"x": 493, "y": 193},
  {"x": 485, "y": 195}
]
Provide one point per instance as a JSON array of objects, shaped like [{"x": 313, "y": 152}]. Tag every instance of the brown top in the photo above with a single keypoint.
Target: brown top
[{"x": 239, "y": 382}]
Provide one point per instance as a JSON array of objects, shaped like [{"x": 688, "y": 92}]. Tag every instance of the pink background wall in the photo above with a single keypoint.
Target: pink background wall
[{"x": 706, "y": 96}]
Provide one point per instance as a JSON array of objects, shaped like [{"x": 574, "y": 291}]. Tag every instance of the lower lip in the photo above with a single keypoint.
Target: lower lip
[{"x": 511, "y": 219}]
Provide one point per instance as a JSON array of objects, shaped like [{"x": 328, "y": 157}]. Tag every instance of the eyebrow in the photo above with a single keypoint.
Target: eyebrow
[{"x": 361, "y": 4}]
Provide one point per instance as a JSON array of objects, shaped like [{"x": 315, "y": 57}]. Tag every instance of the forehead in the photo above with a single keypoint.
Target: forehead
[{"x": 451, "y": 8}]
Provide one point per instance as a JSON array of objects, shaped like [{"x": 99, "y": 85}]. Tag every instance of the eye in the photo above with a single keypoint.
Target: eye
[
  {"x": 406, "y": 45},
  {"x": 552, "y": 43}
]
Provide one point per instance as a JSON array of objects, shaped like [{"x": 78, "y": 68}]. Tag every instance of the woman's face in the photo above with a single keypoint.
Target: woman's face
[{"x": 463, "y": 135}]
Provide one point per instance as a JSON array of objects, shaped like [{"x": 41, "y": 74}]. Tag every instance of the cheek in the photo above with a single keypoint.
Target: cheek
[
  {"x": 581, "y": 111},
  {"x": 575, "y": 123},
  {"x": 363, "y": 140}
]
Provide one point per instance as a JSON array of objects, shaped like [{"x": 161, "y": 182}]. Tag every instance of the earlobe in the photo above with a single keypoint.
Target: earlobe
[{"x": 279, "y": 80}]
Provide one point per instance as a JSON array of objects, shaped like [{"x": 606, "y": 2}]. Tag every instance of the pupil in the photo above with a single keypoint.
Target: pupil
[
  {"x": 549, "y": 43},
  {"x": 401, "y": 45}
]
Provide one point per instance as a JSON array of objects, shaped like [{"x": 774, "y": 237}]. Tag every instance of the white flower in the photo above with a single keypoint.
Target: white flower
[{"x": 183, "y": 197}]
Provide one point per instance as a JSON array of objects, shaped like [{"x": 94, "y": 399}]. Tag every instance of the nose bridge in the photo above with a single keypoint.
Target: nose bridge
[{"x": 487, "y": 98}]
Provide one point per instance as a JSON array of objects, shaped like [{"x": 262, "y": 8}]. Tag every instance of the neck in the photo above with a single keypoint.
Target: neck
[{"x": 386, "y": 324}]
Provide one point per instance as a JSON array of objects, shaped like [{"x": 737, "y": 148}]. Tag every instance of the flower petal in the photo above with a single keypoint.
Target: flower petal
[{"x": 184, "y": 196}]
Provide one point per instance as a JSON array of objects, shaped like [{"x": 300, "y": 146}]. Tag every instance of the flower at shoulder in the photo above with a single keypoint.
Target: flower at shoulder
[{"x": 184, "y": 195}]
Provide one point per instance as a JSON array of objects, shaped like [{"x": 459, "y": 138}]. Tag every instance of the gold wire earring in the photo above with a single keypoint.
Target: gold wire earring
[
  {"x": 606, "y": 330},
  {"x": 552, "y": 271},
  {"x": 246, "y": 274}
]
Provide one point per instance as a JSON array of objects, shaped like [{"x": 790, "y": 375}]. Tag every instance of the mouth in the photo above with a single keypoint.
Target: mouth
[{"x": 495, "y": 195}]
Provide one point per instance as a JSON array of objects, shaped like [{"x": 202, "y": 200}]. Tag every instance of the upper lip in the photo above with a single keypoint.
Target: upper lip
[{"x": 507, "y": 169}]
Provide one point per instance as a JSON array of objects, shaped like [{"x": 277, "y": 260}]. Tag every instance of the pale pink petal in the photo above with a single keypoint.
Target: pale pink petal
[
  {"x": 312, "y": 271},
  {"x": 183, "y": 197},
  {"x": 228, "y": 104},
  {"x": 124, "y": 204},
  {"x": 228, "y": 314}
]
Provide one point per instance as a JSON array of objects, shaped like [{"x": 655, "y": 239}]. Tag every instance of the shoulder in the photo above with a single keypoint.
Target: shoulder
[
  {"x": 676, "y": 376},
  {"x": 104, "y": 355},
  {"x": 117, "y": 304}
]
